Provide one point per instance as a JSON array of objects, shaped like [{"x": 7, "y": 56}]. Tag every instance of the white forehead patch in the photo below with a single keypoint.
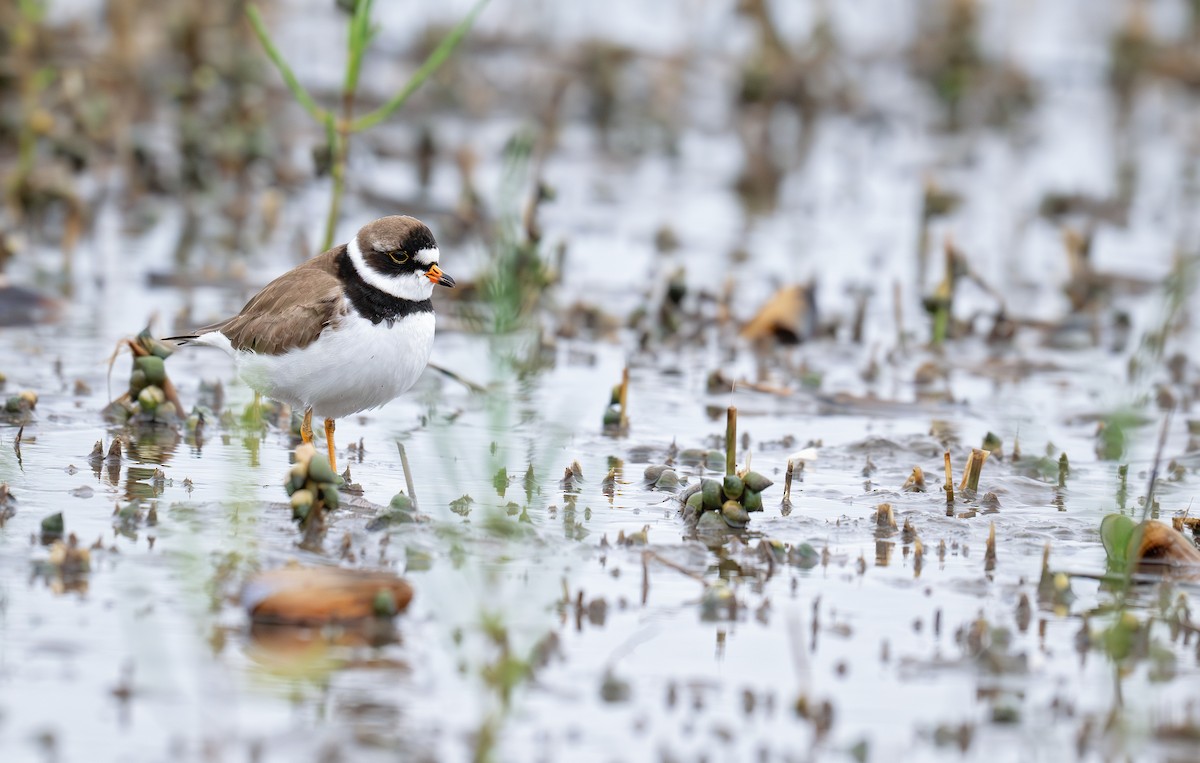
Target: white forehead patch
[{"x": 428, "y": 256}]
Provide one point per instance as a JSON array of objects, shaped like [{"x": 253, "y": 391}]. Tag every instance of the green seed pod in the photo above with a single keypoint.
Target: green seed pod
[
  {"x": 150, "y": 398},
  {"x": 305, "y": 451},
  {"x": 53, "y": 524},
  {"x": 695, "y": 502},
  {"x": 733, "y": 486},
  {"x": 715, "y": 460},
  {"x": 166, "y": 411},
  {"x": 689, "y": 491},
  {"x": 612, "y": 417},
  {"x": 775, "y": 548},
  {"x": 734, "y": 515},
  {"x": 161, "y": 349},
  {"x": 668, "y": 480},
  {"x": 137, "y": 381},
  {"x": 153, "y": 367},
  {"x": 717, "y": 602},
  {"x": 691, "y": 456},
  {"x": 401, "y": 502},
  {"x": 752, "y": 500},
  {"x": 804, "y": 555},
  {"x": 712, "y": 494},
  {"x": 756, "y": 482},
  {"x": 319, "y": 469},
  {"x": 297, "y": 476},
  {"x": 654, "y": 471},
  {"x": 329, "y": 494},
  {"x": 615, "y": 399},
  {"x": 300, "y": 513},
  {"x": 302, "y": 498},
  {"x": 711, "y": 522}
]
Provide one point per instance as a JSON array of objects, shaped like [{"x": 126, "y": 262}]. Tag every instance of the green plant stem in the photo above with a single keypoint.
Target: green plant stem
[
  {"x": 359, "y": 37},
  {"x": 435, "y": 60},
  {"x": 336, "y": 141},
  {"x": 339, "y": 130}
]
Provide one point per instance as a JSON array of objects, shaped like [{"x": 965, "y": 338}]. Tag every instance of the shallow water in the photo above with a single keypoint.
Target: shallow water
[{"x": 155, "y": 659}]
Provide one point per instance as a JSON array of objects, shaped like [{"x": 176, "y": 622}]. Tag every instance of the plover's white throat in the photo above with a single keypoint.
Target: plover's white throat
[{"x": 346, "y": 331}]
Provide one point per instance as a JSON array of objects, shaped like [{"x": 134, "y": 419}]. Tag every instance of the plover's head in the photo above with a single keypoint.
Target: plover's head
[{"x": 397, "y": 255}]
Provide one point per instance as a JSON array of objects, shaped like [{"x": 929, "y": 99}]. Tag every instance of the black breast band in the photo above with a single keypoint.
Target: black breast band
[{"x": 374, "y": 304}]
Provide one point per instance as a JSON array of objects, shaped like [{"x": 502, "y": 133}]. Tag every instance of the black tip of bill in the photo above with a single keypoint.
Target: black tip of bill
[{"x": 439, "y": 278}]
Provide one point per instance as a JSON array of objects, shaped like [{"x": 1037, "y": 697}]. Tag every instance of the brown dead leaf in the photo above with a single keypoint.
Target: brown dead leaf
[{"x": 787, "y": 317}]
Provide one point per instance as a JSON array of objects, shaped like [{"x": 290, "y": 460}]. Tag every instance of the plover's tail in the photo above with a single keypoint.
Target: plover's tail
[{"x": 203, "y": 337}]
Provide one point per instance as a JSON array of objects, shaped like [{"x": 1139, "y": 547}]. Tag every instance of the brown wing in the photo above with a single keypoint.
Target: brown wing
[{"x": 290, "y": 312}]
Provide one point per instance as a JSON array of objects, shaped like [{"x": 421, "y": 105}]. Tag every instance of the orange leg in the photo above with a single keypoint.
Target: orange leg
[
  {"x": 329, "y": 444},
  {"x": 306, "y": 426}
]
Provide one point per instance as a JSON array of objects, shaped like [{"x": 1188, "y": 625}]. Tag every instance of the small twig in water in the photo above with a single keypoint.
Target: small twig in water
[
  {"x": 1139, "y": 531},
  {"x": 477, "y": 388},
  {"x": 648, "y": 555}
]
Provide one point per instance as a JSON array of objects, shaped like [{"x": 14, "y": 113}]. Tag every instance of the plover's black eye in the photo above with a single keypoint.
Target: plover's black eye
[{"x": 398, "y": 257}]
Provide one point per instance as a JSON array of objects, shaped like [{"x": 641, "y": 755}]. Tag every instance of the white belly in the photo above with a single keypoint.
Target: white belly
[{"x": 359, "y": 366}]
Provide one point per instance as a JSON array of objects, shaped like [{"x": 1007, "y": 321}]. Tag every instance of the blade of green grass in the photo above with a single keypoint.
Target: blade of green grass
[
  {"x": 289, "y": 77},
  {"x": 435, "y": 60}
]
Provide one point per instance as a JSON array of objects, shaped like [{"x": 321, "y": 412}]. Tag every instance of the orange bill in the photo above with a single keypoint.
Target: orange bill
[{"x": 436, "y": 275}]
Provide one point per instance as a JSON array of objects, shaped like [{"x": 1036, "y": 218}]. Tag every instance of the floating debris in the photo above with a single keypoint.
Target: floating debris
[
  {"x": 885, "y": 518},
  {"x": 572, "y": 478},
  {"x": 52, "y": 528},
  {"x": 66, "y": 566},
  {"x": 992, "y": 444},
  {"x": 616, "y": 416},
  {"x": 718, "y": 602},
  {"x": 18, "y": 408},
  {"x": 321, "y": 595},
  {"x": 789, "y": 317},
  {"x": 462, "y": 506},
  {"x": 915, "y": 482},
  {"x": 1151, "y": 546},
  {"x": 1054, "y": 588},
  {"x": 8, "y": 504}
]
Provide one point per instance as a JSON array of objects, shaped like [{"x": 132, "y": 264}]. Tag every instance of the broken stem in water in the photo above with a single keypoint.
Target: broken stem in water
[
  {"x": 730, "y": 440},
  {"x": 408, "y": 480},
  {"x": 949, "y": 487},
  {"x": 970, "y": 480},
  {"x": 787, "y": 481},
  {"x": 624, "y": 399}
]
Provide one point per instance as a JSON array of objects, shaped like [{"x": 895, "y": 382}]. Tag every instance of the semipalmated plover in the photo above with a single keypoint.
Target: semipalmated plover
[{"x": 346, "y": 331}]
